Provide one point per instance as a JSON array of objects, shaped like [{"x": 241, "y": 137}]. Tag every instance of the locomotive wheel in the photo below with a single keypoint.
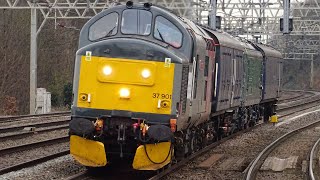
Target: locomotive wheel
[
  {"x": 240, "y": 126},
  {"x": 252, "y": 123},
  {"x": 179, "y": 146},
  {"x": 179, "y": 154},
  {"x": 220, "y": 134},
  {"x": 246, "y": 125},
  {"x": 94, "y": 170}
]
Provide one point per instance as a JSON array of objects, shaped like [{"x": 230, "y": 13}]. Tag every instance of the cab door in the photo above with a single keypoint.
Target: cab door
[
  {"x": 198, "y": 82},
  {"x": 201, "y": 83}
]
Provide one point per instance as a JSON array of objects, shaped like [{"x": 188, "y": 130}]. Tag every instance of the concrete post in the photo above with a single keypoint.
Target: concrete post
[{"x": 33, "y": 59}]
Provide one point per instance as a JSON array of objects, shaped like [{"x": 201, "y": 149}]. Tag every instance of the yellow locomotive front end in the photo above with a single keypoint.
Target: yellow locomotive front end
[
  {"x": 122, "y": 87},
  {"x": 126, "y": 85}
]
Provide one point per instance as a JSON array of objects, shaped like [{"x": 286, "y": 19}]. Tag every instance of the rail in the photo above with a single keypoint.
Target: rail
[
  {"x": 10, "y": 118},
  {"x": 30, "y": 133},
  {"x": 32, "y": 162},
  {"x": 312, "y": 156},
  {"x": 33, "y": 145},
  {"x": 255, "y": 165}
]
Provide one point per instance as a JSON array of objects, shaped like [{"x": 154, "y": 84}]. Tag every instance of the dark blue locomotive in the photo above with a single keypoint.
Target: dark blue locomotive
[{"x": 152, "y": 86}]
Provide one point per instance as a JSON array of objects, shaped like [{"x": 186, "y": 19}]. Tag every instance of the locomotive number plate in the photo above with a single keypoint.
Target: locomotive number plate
[{"x": 162, "y": 96}]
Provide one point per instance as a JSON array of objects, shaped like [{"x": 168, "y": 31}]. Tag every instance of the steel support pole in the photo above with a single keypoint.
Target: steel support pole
[
  {"x": 33, "y": 59},
  {"x": 311, "y": 72},
  {"x": 213, "y": 14},
  {"x": 286, "y": 14}
]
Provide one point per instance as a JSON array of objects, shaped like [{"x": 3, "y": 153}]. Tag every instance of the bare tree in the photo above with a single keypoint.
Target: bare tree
[{"x": 14, "y": 50}]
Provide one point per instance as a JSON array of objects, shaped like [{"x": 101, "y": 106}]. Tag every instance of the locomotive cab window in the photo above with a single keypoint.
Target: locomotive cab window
[
  {"x": 136, "y": 21},
  {"x": 167, "y": 32},
  {"x": 104, "y": 27}
]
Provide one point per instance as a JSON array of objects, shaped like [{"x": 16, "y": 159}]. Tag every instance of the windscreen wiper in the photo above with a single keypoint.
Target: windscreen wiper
[
  {"x": 161, "y": 36},
  {"x": 109, "y": 33}
]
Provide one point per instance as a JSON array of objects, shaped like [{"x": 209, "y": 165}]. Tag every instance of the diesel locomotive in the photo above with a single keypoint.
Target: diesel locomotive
[{"x": 152, "y": 87}]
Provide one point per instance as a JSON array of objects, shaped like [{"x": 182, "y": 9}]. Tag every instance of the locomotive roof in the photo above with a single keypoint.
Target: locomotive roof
[
  {"x": 225, "y": 39},
  {"x": 183, "y": 52},
  {"x": 269, "y": 51},
  {"x": 118, "y": 8},
  {"x": 250, "y": 49}
]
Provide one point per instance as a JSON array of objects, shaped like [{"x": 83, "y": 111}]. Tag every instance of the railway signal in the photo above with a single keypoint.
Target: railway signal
[{"x": 290, "y": 26}]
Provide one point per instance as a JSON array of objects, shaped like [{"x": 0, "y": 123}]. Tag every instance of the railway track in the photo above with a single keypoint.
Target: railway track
[
  {"x": 24, "y": 134},
  {"x": 296, "y": 106},
  {"x": 33, "y": 145},
  {"x": 32, "y": 162},
  {"x": 4, "y": 119},
  {"x": 314, "y": 172},
  {"x": 10, "y": 152},
  {"x": 294, "y": 96},
  {"x": 279, "y": 144},
  {"x": 10, "y": 130},
  {"x": 38, "y": 138},
  {"x": 33, "y": 125},
  {"x": 291, "y": 96}
]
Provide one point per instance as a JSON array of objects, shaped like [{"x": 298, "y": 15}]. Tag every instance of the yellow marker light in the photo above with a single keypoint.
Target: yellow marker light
[
  {"x": 146, "y": 73},
  {"x": 165, "y": 104},
  {"x": 124, "y": 93},
  {"x": 83, "y": 97},
  {"x": 107, "y": 70}
]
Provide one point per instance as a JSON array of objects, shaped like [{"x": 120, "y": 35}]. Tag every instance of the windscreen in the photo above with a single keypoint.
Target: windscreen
[{"x": 136, "y": 21}]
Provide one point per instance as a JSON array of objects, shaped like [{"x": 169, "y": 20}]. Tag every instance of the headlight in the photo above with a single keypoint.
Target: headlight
[
  {"x": 145, "y": 73},
  {"x": 124, "y": 93},
  {"x": 107, "y": 70}
]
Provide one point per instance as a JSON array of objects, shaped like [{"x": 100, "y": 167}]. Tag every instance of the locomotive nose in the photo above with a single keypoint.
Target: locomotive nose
[
  {"x": 131, "y": 75},
  {"x": 127, "y": 85}
]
